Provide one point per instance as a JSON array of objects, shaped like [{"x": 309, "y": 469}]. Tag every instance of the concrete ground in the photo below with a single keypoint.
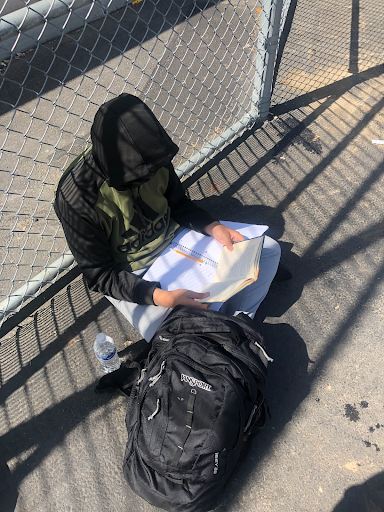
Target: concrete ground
[{"x": 314, "y": 176}]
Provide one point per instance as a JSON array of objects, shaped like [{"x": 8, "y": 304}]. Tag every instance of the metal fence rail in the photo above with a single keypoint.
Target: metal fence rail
[{"x": 203, "y": 66}]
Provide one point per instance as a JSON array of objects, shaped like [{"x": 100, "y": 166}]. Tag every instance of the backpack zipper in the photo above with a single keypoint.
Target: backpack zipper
[
  {"x": 151, "y": 416},
  {"x": 233, "y": 349},
  {"x": 255, "y": 408},
  {"x": 156, "y": 377},
  {"x": 245, "y": 359}
]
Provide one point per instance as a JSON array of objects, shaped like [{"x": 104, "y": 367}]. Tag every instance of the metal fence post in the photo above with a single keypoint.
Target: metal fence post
[
  {"x": 34, "y": 285},
  {"x": 267, "y": 44}
]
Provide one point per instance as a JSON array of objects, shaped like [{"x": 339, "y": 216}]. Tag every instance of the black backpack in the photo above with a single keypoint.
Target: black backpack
[{"x": 193, "y": 407}]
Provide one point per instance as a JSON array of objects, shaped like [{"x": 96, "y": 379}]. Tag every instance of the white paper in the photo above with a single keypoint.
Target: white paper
[{"x": 175, "y": 271}]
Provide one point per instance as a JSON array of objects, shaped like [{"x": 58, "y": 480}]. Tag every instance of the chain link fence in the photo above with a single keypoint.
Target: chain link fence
[
  {"x": 204, "y": 67},
  {"x": 329, "y": 42}
]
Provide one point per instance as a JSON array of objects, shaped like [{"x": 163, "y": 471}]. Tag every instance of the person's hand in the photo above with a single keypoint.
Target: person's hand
[
  {"x": 176, "y": 297},
  {"x": 224, "y": 235}
]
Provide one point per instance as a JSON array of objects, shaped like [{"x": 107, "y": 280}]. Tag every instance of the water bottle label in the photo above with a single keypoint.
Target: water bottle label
[{"x": 108, "y": 356}]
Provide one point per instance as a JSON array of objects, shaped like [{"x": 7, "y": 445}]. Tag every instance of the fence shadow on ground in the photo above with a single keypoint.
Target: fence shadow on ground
[{"x": 48, "y": 371}]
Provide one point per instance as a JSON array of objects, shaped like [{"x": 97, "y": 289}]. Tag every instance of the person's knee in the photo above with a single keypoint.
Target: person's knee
[{"x": 271, "y": 248}]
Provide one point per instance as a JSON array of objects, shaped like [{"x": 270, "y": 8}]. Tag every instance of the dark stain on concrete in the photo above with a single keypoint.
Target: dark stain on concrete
[
  {"x": 351, "y": 412},
  {"x": 369, "y": 444}
]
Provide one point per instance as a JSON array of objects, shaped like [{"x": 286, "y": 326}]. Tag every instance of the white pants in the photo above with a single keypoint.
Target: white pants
[{"x": 146, "y": 319}]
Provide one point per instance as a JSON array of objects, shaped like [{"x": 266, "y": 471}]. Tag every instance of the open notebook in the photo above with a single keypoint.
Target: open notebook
[{"x": 175, "y": 270}]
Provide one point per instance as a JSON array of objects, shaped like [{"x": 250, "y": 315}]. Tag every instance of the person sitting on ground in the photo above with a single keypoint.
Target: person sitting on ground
[{"x": 120, "y": 204}]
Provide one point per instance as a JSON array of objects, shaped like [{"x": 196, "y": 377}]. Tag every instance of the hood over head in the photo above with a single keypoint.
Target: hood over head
[{"x": 129, "y": 143}]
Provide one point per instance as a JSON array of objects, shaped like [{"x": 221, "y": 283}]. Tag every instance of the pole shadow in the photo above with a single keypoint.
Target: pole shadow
[
  {"x": 367, "y": 497},
  {"x": 8, "y": 489}
]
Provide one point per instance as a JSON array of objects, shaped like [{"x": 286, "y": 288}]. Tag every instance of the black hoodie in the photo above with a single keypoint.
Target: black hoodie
[{"x": 121, "y": 202}]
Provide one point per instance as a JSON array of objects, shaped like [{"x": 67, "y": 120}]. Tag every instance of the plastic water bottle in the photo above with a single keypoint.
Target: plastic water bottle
[{"x": 105, "y": 352}]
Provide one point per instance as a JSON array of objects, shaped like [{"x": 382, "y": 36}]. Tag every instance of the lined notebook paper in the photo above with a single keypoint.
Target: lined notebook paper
[{"x": 175, "y": 271}]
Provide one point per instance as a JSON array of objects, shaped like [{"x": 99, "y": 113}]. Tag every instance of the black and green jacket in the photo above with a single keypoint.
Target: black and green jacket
[{"x": 121, "y": 202}]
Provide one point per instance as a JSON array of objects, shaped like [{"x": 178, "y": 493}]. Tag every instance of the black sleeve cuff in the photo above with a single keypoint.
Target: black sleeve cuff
[
  {"x": 200, "y": 223},
  {"x": 144, "y": 292}
]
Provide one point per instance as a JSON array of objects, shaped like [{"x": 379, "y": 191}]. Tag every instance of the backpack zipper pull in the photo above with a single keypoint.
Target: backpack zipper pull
[
  {"x": 269, "y": 359},
  {"x": 151, "y": 416},
  {"x": 141, "y": 376},
  {"x": 156, "y": 377}
]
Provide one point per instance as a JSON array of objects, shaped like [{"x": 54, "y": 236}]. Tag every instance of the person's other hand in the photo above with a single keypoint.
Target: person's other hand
[
  {"x": 224, "y": 235},
  {"x": 179, "y": 297}
]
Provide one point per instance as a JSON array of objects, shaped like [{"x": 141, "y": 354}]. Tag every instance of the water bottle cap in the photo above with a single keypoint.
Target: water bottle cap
[{"x": 100, "y": 337}]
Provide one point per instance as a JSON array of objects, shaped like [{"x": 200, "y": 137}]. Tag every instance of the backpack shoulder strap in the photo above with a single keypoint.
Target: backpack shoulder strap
[{"x": 120, "y": 381}]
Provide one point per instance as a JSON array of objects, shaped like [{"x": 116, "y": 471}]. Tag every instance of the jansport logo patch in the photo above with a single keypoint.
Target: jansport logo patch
[{"x": 195, "y": 382}]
